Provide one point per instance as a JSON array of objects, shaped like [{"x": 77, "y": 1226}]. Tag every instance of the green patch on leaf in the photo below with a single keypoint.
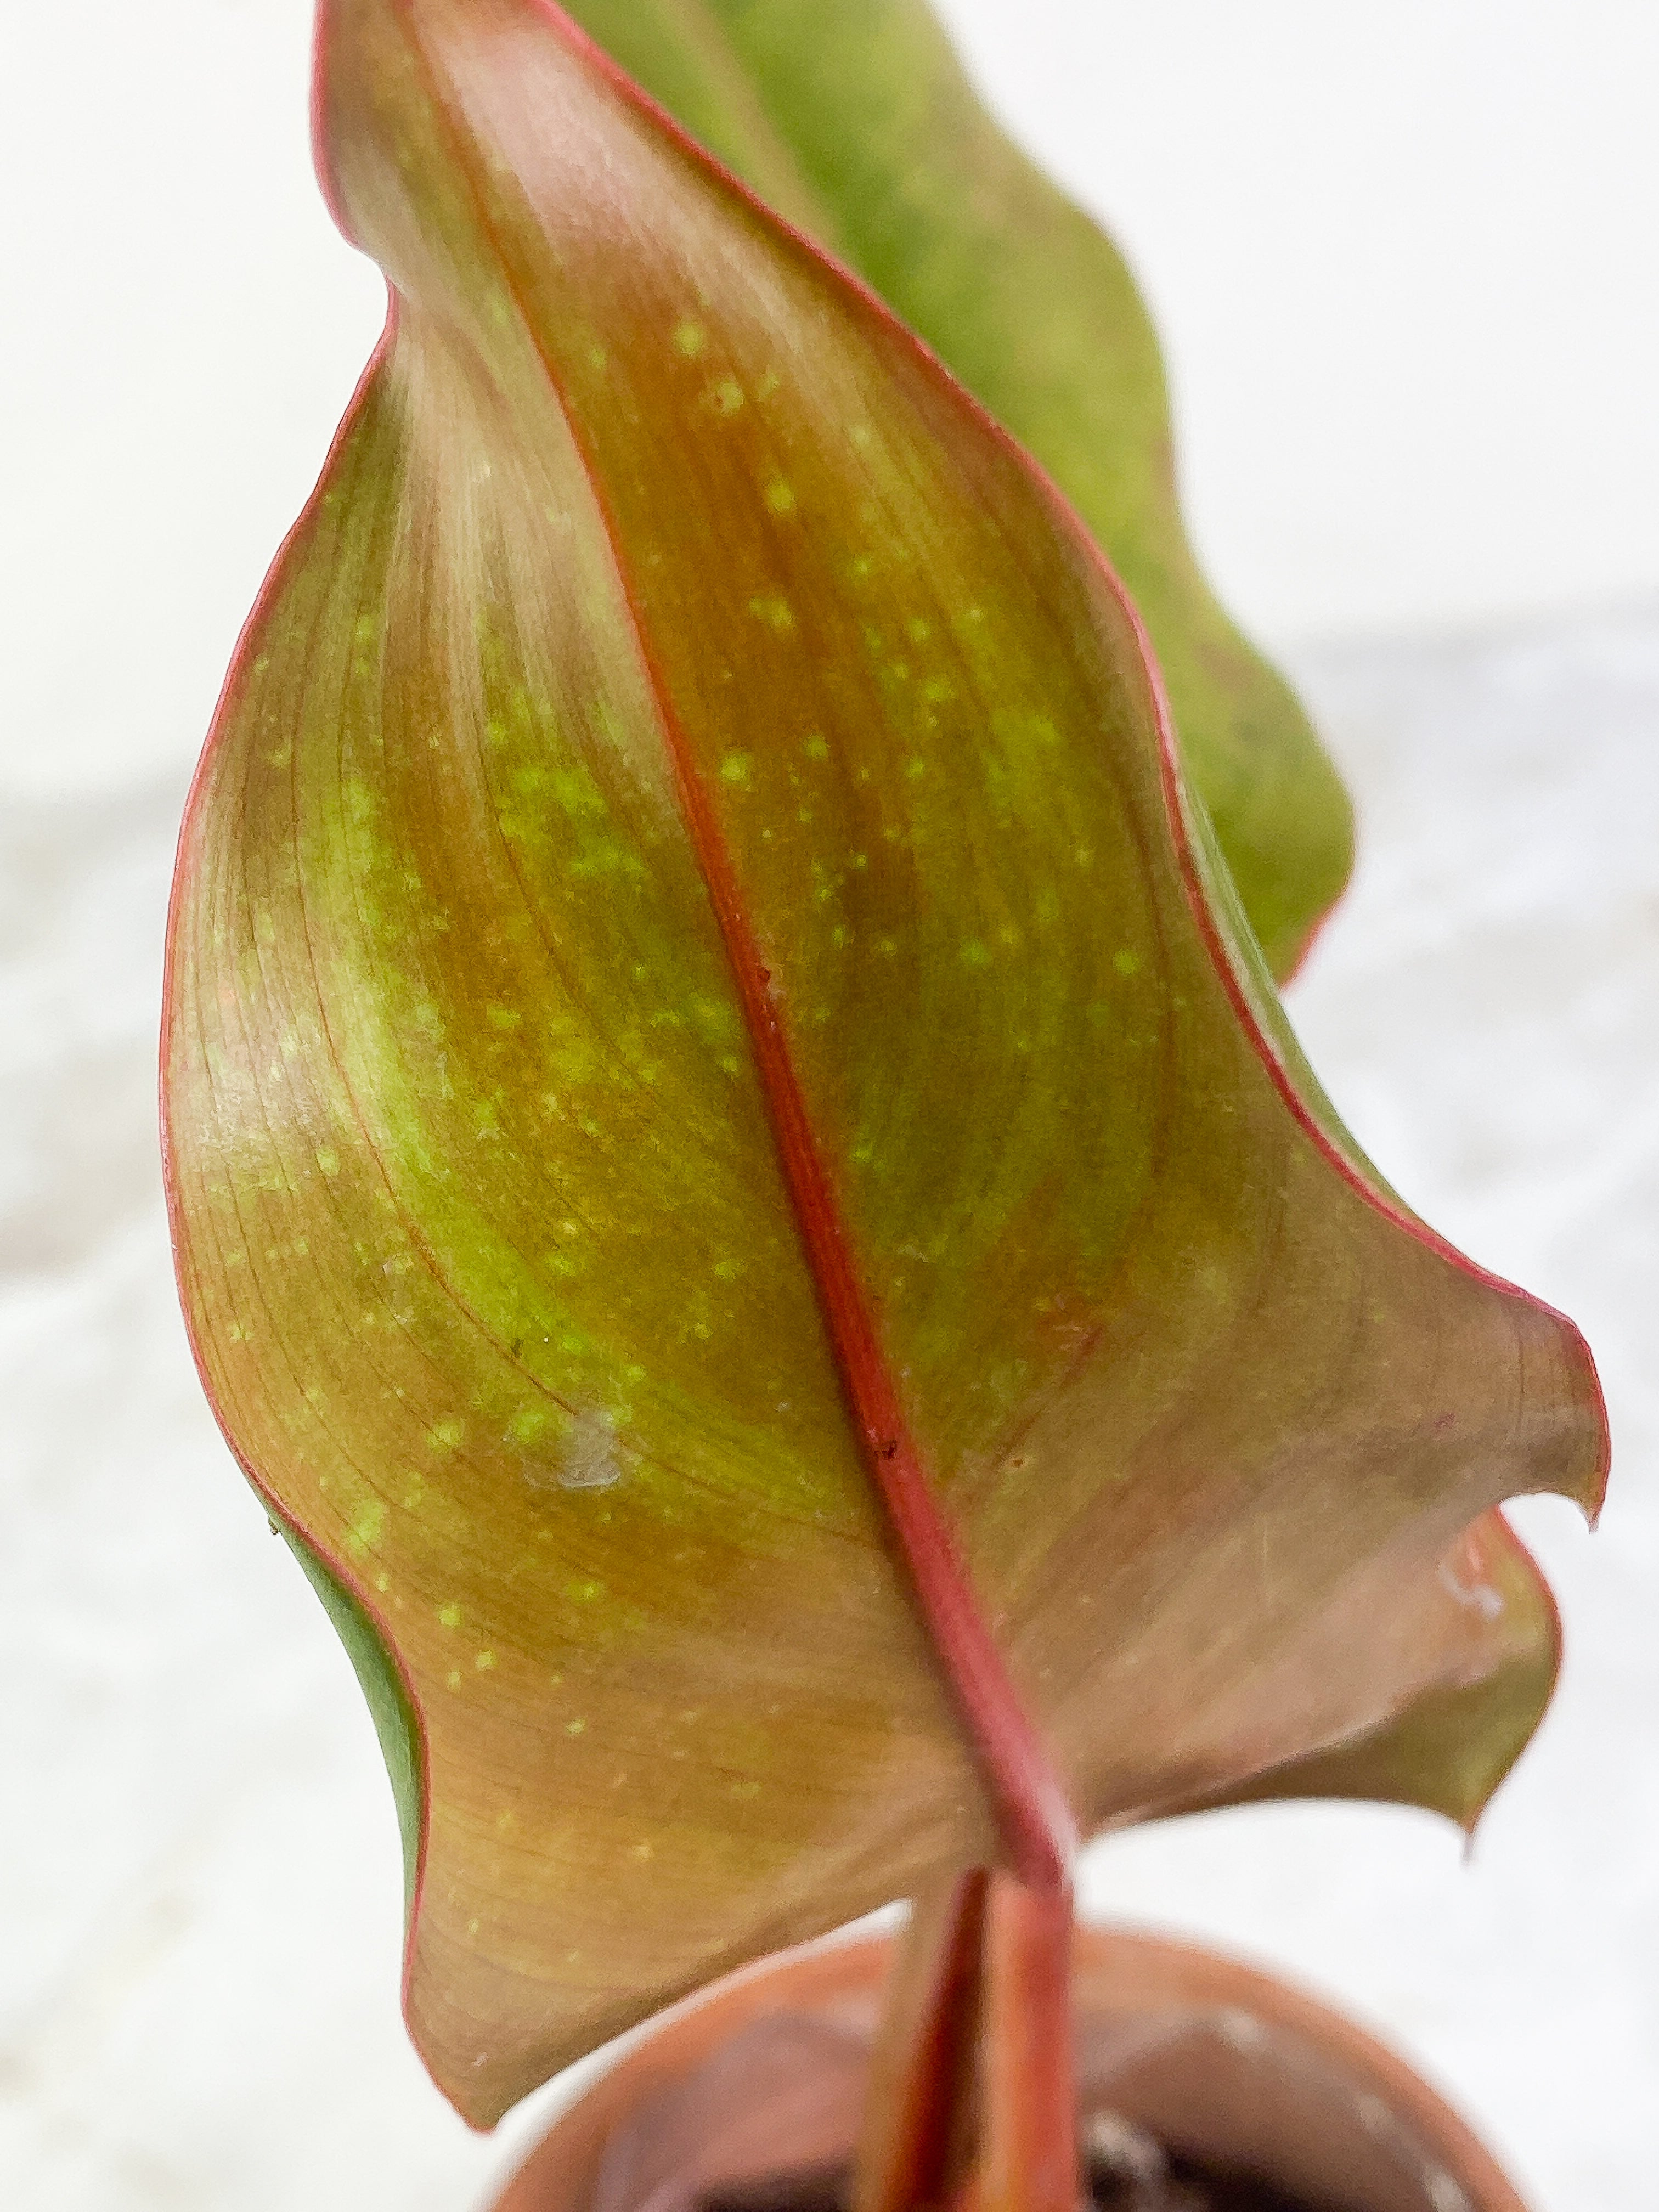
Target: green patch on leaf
[{"x": 389, "y": 1708}]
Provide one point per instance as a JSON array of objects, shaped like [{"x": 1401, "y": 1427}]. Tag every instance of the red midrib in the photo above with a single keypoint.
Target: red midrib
[{"x": 1034, "y": 1817}]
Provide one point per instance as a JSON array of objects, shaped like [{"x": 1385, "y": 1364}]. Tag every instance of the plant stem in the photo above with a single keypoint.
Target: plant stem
[
  {"x": 1028, "y": 2158},
  {"x": 972, "y": 2103},
  {"x": 914, "y": 2149}
]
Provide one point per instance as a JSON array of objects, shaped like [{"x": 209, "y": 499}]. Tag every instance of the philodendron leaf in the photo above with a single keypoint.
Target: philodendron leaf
[
  {"x": 691, "y": 866},
  {"x": 855, "y": 120}
]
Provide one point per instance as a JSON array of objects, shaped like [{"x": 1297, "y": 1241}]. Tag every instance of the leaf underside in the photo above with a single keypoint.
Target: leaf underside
[{"x": 485, "y": 1235}]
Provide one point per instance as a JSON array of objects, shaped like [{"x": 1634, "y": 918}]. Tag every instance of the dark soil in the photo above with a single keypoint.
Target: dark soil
[
  {"x": 1173, "y": 2184},
  {"x": 1189, "y": 2187}
]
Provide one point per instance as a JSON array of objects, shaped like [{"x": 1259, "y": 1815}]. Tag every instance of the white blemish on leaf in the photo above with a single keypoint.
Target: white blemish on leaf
[
  {"x": 1479, "y": 1597},
  {"x": 583, "y": 1457}
]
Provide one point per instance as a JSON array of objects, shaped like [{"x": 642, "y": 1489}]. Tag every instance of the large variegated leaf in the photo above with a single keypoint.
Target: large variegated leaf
[
  {"x": 854, "y": 118},
  {"x": 692, "y": 968}
]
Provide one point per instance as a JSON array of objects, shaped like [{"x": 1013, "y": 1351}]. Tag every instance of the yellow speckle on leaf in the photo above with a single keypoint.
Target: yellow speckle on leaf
[
  {"x": 574, "y": 1728},
  {"x": 453, "y": 1678},
  {"x": 737, "y": 768},
  {"x": 485, "y": 1662},
  {"x": 775, "y": 610},
  {"x": 367, "y": 1528},
  {"x": 780, "y": 498},
  {"x": 328, "y": 1161},
  {"x": 975, "y": 954},
  {"x": 449, "y": 1616},
  {"x": 690, "y": 338},
  {"x": 448, "y": 1436},
  {"x": 1125, "y": 961}
]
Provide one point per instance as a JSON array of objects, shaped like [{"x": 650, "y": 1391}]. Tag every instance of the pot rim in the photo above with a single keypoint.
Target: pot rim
[{"x": 1116, "y": 1969}]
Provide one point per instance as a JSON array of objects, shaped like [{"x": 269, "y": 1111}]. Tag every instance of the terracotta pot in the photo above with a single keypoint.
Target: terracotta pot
[{"x": 1229, "y": 2068}]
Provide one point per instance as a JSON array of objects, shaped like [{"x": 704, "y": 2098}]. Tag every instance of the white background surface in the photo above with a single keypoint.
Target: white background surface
[
  {"x": 1405, "y": 266},
  {"x": 1405, "y": 261}
]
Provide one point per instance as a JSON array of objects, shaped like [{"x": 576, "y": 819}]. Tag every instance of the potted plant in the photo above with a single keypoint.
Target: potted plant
[{"x": 740, "y": 1186}]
